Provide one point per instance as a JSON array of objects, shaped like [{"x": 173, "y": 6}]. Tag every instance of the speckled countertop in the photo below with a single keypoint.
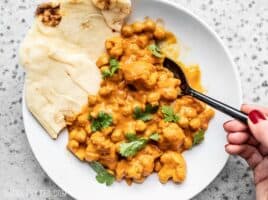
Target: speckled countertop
[{"x": 241, "y": 24}]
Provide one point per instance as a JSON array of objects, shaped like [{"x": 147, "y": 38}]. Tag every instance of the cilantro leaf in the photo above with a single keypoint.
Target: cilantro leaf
[
  {"x": 145, "y": 115},
  {"x": 199, "y": 137},
  {"x": 131, "y": 136},
  {"x": 155, "y": 50},
  {"x": 169, "y": 115},
  {"x": 103, "y": 176},
  {"x": 103, "y": 120},
  {"x": 154, "y": 137},
  {"x": 139, "y": 114},
  {"x": 136, "y": 144},
  {"x": 114, "y": 66},
  {"x": 131, "y": 148},
  {"x": 106, "y": 73}
]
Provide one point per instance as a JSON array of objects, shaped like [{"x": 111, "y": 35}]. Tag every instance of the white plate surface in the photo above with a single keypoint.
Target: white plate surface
[{"x": 204, "y": 162}]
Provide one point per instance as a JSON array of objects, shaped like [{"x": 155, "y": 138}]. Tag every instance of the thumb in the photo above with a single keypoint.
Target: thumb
[{"x": 258, "y": 125}]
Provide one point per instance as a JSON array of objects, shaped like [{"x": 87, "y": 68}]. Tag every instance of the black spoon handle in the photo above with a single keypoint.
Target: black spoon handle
[{"x": 237, "y": 114}]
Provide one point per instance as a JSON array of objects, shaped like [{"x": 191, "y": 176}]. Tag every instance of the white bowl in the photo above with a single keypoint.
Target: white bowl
[{"x": 204, "y": 162}]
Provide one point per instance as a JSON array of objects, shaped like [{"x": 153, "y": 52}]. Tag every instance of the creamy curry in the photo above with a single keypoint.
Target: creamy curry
[{"x": 138, "y": 124}]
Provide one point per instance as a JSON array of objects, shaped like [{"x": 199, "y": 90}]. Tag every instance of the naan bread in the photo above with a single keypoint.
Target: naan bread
[
  {"x": 114, "y": 11},
  {"x": 59, "y": 59}
]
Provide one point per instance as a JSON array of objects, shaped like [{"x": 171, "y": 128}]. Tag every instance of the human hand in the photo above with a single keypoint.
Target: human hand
[{"x": 251, "y": 143}]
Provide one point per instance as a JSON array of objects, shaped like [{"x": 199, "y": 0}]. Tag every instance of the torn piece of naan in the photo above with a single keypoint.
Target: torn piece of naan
[
  {"x": 59, "y": 54},
  {"x": 114, "y": 11}
]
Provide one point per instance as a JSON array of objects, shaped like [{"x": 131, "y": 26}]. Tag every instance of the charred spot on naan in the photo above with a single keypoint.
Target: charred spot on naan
[
  {"x": 49, "y": 14},
  {"x": 102, "y": 4}
]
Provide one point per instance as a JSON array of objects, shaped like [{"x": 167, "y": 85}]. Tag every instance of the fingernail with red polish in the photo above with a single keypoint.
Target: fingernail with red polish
[{"x": 255, "y": 116}]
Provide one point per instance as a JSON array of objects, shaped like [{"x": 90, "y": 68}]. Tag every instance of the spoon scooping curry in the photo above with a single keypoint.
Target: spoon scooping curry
[{"x": 187, "y": 90}]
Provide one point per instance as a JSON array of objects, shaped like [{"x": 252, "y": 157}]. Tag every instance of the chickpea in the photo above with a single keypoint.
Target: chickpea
[
  {"x": 114, "y": 47},
  {"x": 133, "y": 48},
  {"x": 159, "y": 33},
  {"x": 140, "y": 125},
  {"x": 204, "y": 126},
  {"x": 116, "y": 52},
  {"x": 72, "y": 133},
  {"x": 92, "y": 100},
  {"x": 195, "y": 123},
  {"x": 152, "y": 79},
  {"x": 157, "y": 166},
  {"x": 69, "y": 119},
  {"x": 150, "y": 130},
  {"x": 80, "y": 136},
  {"x": 162, "y": 124},
  {"x": 88, "y": 129},
  {"x": 188, "y": 143},
  {"x": 83, "y": 119},
  {"x": 169, "y": 93},
  {"x": 117, "y": 135},
  {"x": 130, "y": 127},
  {"x": 108, "y": 130},
  {"x": 73, "y": 145},
  {"x": 81, "y": 153},
  {"x": 126, "y": 110},
  {"x": 99, "y": 98},
  {"x": 209, "y": 113},
  {"x": 127, "y": 31},
  {"x": 137, "y": 27},
  {"x": 94, "y": 113},
  {"x": 183, "y": 122},
  {"x": 116, "y": 118},
  {"x": 153, "y": 97},
  {"x": 91, "y": 156},
  {"x": 103, "y": 60},
  {"x": 198, "y": 106},
  {"x": 140, "y": 180},
  {"x": 149, "y": 25},
  {"x": 109, "y": 44},
  {"x": 104, "y": 91},
  {"x": 143, "y": 41}
]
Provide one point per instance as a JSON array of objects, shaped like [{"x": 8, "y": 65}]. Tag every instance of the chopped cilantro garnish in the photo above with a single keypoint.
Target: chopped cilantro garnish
[
  {"x": 145, "y": 115},
  {"x": 135, "y": 145},
  {"x": 199, "y": 137},
  {"x": 155, "y": 50},
  {"x": 103, "y": 176},
  {"x": 103, "y": 120},
  {"x": 169, "y": 115},
  {"x": 114, "y": 66}
]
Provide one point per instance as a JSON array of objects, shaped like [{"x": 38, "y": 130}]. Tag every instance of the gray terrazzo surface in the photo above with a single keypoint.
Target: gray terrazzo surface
[{"x": 241, "y": 24}]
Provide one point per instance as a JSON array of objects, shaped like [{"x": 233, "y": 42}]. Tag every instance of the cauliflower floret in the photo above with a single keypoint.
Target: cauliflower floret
[
  {"x": 101, "y": 149},
  {"x": 139, "y": 74},
  {"x": 172, "y": 137},
  {"x": 140, "y": 166},
  {"x": 173, "y": 166}
]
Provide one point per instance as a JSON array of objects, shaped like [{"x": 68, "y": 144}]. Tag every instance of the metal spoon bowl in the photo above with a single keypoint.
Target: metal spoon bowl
[{"x": 187, "y": 90}]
